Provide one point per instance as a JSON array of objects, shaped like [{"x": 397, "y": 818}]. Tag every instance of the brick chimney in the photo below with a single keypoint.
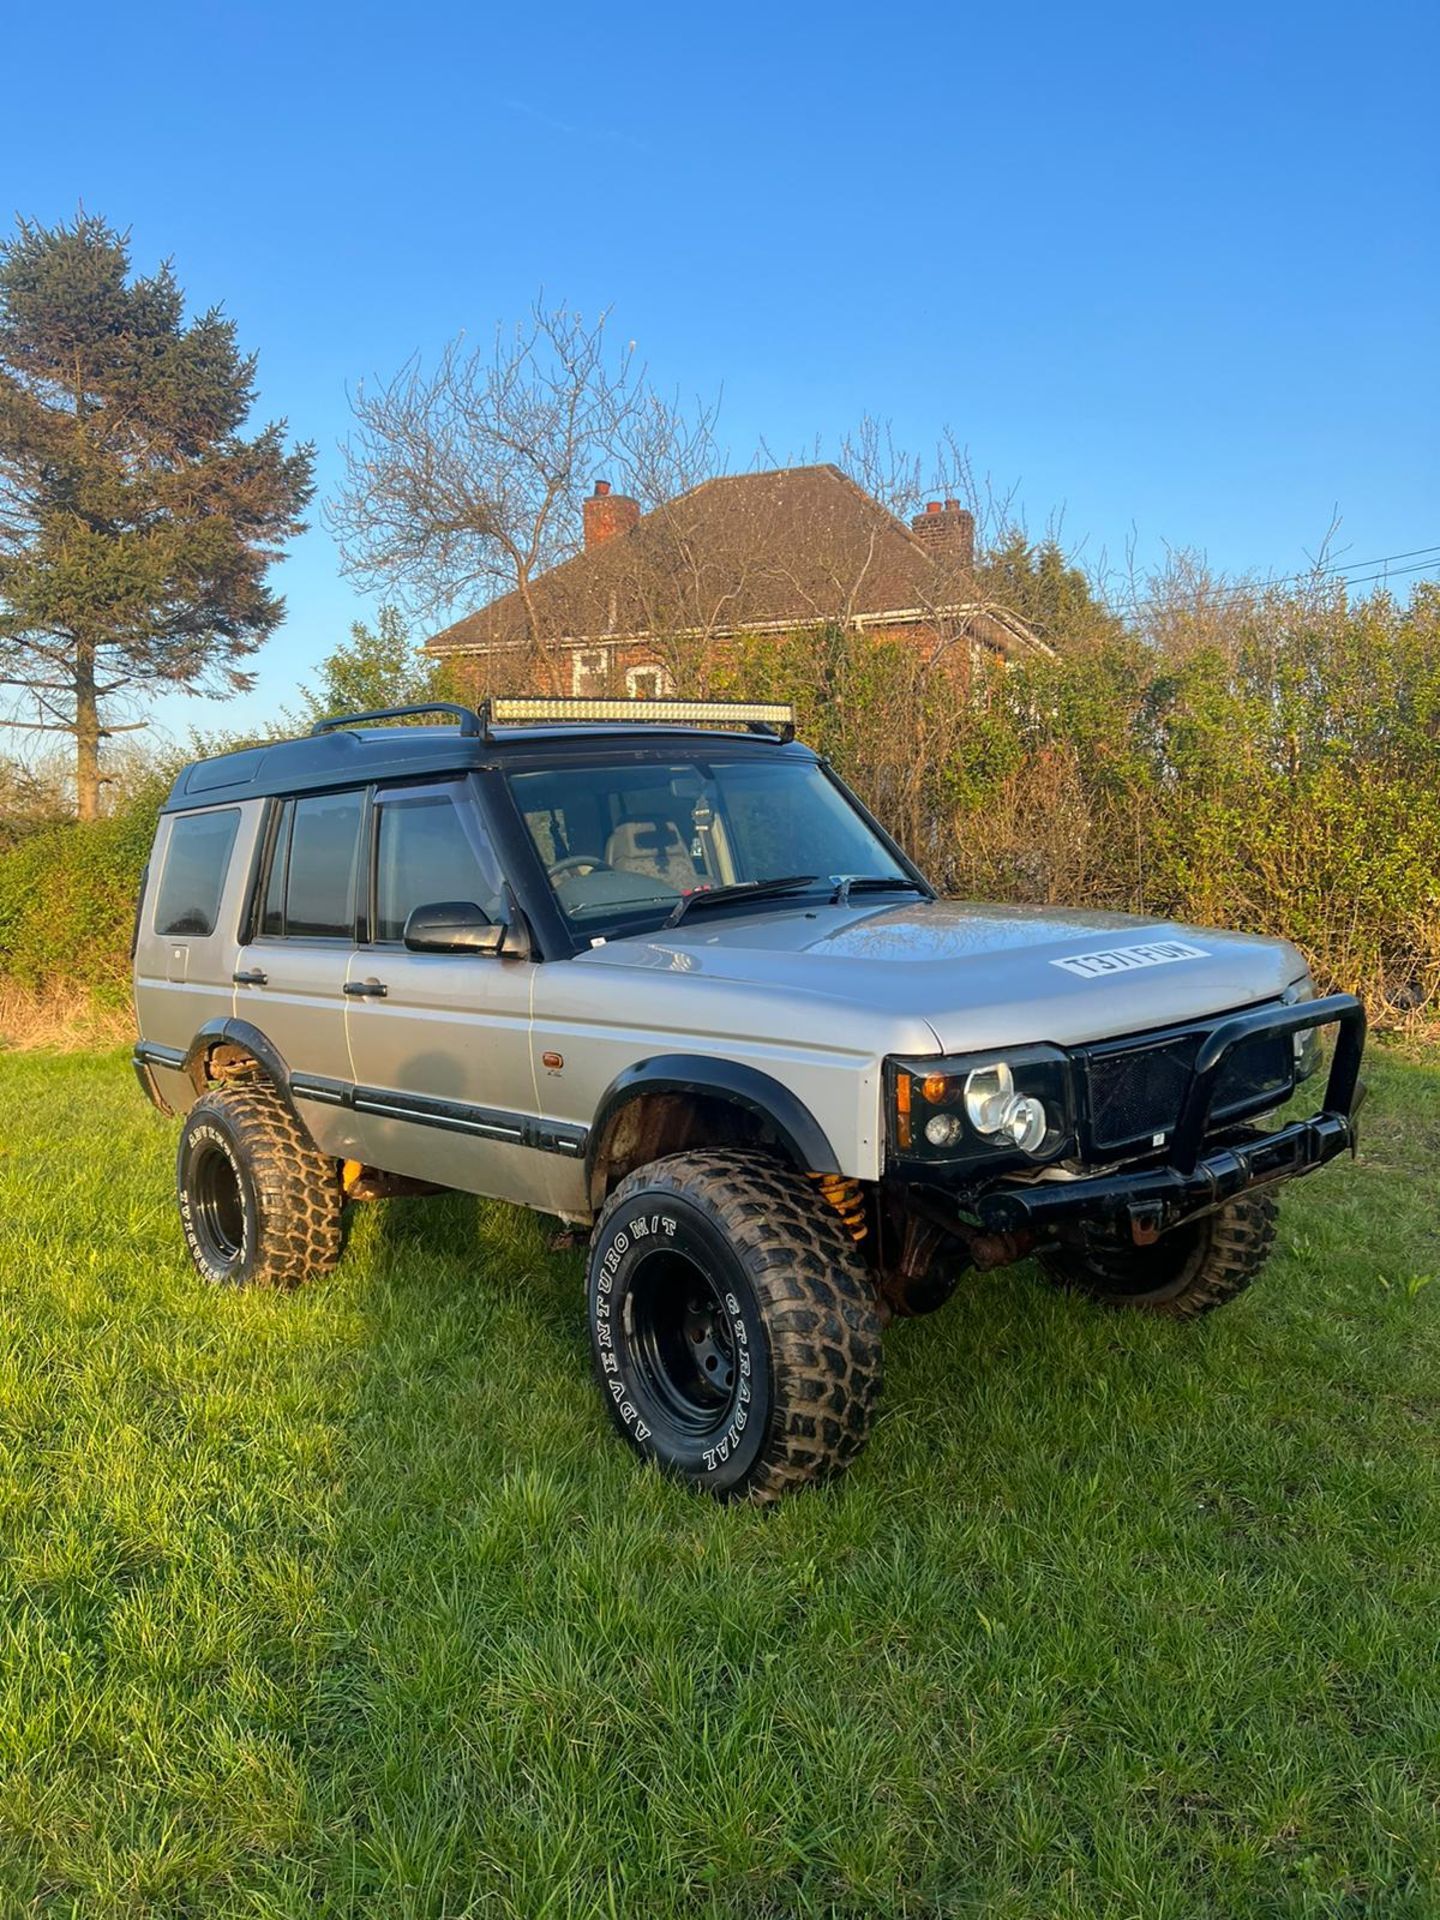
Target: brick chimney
[
  {"x": 607, "y": 514},
  {"x": 947, "y": 533}
]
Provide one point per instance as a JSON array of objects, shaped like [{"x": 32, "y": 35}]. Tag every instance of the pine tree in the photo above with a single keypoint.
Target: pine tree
[
  {"x": 137, "y": 523},
  {"x": 1053, "y": 597}
]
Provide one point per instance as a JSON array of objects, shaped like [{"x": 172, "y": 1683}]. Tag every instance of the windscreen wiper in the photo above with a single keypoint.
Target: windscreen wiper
[
  {"x": 848, "y": 883},
  {"x": 741, "y": 890}
]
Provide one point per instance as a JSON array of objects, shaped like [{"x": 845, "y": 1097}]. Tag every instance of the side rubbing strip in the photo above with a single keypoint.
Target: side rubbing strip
[
  {"x": 451, "y": 1116},
  {"x": 331, "y": 1093}
]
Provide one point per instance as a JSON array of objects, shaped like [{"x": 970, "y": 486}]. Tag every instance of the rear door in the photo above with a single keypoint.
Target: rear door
[
  {"x": 440, "y": 1042},
  {"x": 187, "y": 932},
  {"x": 290, "y": 976}
]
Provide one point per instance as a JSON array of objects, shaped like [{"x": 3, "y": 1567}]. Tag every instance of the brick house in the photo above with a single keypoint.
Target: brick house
[{"x": 749, "y": 554}]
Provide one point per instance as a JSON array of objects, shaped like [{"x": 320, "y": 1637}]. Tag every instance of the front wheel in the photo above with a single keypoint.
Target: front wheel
[
  {"x": 733, "y": 1325},
  {"x": 1189, "y": 1271}
]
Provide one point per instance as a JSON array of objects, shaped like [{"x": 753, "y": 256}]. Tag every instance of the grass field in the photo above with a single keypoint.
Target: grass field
[{"x": 348, "y": 1603}]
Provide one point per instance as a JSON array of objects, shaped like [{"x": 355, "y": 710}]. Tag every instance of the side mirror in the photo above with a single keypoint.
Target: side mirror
[{"x": 453, "y": 926}]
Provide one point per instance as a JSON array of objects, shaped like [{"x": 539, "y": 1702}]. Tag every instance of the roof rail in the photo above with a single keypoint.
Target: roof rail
[
  {"x": 773, "y": 718},
  {"x": 470, "y": 721}
]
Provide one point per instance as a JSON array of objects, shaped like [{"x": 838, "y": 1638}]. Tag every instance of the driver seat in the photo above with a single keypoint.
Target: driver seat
[{"x": 655, "y": 848}]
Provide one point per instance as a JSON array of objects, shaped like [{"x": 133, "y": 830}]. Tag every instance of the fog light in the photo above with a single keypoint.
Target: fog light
[
  {"x": 1026, "y": 1122},
  {"x": 943, "y": 1129}
]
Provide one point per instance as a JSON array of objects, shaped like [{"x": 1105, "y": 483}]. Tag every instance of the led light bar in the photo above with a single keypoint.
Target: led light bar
[{"x": 774, "y": 715}]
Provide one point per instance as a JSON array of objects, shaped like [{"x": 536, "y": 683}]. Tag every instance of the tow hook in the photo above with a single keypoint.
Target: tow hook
[{"x": 1147, "y": 1221}]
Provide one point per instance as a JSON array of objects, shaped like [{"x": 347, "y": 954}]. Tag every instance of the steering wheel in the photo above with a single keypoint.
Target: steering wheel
[{"x": 578, "y": 864}]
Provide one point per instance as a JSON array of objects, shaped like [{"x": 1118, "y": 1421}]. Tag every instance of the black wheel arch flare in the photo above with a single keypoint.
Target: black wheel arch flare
[
  {"x": 797, "y": 1131},
  {"x": 238, "y": 1033}
]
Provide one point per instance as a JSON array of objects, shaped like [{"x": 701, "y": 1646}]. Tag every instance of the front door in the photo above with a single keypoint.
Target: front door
[{"x": 440, "y": 1043}]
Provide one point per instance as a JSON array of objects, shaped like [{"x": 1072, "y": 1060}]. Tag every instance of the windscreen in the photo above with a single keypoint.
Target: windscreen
[{"x": 624, "y": 842}]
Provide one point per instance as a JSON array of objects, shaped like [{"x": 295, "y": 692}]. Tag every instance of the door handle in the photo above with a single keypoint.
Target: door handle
[
  {"x": 250, "y": 977},
  {"x": 366, "y": 989}
]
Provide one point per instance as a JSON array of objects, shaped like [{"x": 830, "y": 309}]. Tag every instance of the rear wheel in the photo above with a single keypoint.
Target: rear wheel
[
  {"x": 259, "y": 1204},
  {"x": 1188, "y": 1271},
  {"x": 733, "y": 1324}
]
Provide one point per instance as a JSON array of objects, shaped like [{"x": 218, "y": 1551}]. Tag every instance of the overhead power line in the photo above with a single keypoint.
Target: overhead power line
[
  {"x": 1390, "y": 573},
  {"x": 1345, "y": 573},
  {"x": 1383, "y": 560}
]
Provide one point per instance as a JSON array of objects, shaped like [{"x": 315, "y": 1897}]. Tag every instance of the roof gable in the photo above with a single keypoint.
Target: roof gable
[{"x": 795, "y": 547}]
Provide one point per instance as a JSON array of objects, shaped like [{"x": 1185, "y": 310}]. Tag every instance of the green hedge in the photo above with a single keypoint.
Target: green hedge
[
  {"x": 1277, "y": 772},
  {"x": 67, "y": 900},
  {"x": 1283, "y": 777}
]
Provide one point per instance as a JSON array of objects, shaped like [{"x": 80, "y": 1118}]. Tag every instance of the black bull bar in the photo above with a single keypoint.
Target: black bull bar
[{"x": 1151, "y": 1200}]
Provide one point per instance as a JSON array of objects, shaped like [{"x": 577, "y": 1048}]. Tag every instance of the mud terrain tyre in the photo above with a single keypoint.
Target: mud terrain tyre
[
  {"x": 260, "y": 1206},
  {"x": 733, "y": 1325},
  {"x": 1189, "y": 1271}
]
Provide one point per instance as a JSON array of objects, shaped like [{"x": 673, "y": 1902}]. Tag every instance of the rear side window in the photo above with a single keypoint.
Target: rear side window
[
  {"x": 310, "y": 879},
  {"x": 196, "y": 863},
  {"x": 272, "y": 912},
  {"x": 427, "y": 852}
]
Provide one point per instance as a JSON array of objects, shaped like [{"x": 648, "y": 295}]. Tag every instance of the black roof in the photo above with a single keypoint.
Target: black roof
[{"x": 353, "y": 756}]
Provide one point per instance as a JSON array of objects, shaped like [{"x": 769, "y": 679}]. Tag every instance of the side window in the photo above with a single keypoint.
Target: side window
[
  {"x": 272, "y": 911},
  {"x": 320, "y": 873},
  {"x": 427, "y": 851},
  {"x": 195, "y": 868}
]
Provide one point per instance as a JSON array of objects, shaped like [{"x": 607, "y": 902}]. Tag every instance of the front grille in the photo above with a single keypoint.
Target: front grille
[{"x": 1136, "y": 1089}]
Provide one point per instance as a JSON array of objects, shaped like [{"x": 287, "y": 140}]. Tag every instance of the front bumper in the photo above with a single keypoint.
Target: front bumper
[{"x": 1150, "y": 1200}]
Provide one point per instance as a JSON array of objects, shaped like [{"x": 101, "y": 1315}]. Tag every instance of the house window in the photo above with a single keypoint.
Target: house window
[
  {"x": 647, "y": 683},
  {"x": 590, "y": 672}
]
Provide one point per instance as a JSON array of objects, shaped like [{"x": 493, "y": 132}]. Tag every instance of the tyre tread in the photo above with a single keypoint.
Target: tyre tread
[
  {"x": 1239, "y": 1238},
  {"x": 814, "y": 1292},
  {"x": 301, "y": 1204}
]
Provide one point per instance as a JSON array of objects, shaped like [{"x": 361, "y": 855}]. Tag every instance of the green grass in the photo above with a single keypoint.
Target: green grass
[{"x": 349, "y": 1603}]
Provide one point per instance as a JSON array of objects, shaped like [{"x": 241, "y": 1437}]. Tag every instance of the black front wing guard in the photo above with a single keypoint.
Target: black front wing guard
[{"x": 1151, "y": 1200}]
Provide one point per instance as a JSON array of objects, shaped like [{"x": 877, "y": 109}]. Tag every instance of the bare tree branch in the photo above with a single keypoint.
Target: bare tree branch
[{"x": 466, "y": 481}]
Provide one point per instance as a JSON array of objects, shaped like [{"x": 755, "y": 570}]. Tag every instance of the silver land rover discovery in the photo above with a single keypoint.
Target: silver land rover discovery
[{"x": 650, "y": 967}]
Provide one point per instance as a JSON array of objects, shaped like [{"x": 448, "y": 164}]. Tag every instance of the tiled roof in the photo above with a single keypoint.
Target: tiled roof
[{"x": 790, "y": 548}]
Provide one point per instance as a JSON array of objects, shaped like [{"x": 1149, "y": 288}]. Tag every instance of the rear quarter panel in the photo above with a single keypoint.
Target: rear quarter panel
[{"x": 181, "y": 981}]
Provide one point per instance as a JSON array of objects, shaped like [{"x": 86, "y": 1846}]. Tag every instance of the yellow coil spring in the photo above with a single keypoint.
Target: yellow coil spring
[{"x": 847, "y": 1198}]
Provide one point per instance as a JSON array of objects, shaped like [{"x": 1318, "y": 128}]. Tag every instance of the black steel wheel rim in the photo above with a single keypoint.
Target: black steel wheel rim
[
  {"x": 682, "y": 1342},
  {"x": 217, "y": 1205}
]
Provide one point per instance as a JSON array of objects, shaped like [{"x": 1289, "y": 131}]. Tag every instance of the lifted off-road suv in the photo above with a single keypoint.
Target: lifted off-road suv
[{"x": 649, "y": 967}]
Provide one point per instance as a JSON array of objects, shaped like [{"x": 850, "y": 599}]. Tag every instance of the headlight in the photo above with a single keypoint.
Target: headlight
[
  {"x": 995, "y": 1109},
  {"x": 988, "y": 1092},
  {"x": 990, "y": 1109},
  {"x": 1307, "y": 1044},
  {"x": 1027, "y": 1123}
]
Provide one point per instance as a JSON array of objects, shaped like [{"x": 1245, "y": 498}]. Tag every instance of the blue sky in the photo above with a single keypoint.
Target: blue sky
[{"x": 1172, "y": 272}]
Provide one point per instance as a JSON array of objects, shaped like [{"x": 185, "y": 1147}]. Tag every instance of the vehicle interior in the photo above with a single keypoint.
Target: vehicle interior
[{"x": 617, "y": 837}]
